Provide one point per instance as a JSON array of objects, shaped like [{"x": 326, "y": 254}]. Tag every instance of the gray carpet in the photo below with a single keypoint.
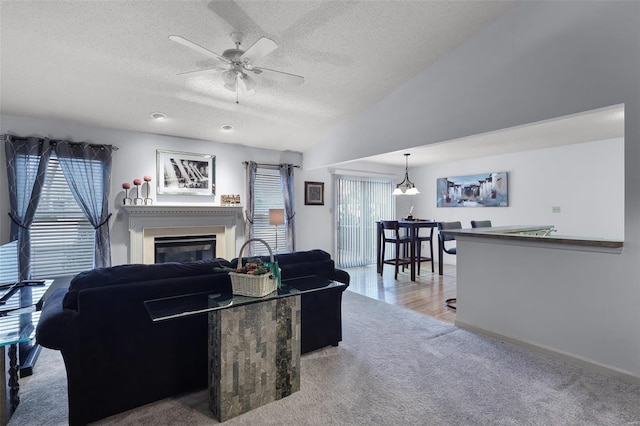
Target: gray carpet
[{"x": 394, "y": 367}]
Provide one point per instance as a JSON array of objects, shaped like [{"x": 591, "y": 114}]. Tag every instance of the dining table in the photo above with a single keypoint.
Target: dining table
[{"x": 412, "y": 228}]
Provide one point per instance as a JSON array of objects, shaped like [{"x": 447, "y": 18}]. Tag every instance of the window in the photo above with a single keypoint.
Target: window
[
  {"x": 360, "y": 203},
  {"x": 268, "y": 194},
  {"x": 62, "y": 239}
]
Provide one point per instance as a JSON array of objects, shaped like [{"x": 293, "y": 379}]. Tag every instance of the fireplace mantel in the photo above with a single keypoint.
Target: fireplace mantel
[
  {"x": 195, "y": 210},
  {"x": 145, "y": 222}
]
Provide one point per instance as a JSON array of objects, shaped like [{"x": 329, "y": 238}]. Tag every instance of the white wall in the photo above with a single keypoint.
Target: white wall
[
  {"x": 539, "y": 61},
  {"x": 585, "y": 180},
  {"x": 590, "y": 192},
  {"x": 315, "y": 228},
  {"x": 135, "y": 158}
]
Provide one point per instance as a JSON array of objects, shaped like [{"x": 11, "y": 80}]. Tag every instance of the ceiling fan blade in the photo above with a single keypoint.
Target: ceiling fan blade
[
  {"x": 202, "y": 72},
  {"x": 198, "y": 48},
  {"x": 259, "y": 49},
  {"x": 279, "y": 75}
]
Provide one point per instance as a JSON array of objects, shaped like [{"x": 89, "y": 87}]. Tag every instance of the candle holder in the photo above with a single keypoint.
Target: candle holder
[
  {"x": 126, "y": 201},
  {"x": 147, "y": 199},
  {"x": 137, "y": 201}
]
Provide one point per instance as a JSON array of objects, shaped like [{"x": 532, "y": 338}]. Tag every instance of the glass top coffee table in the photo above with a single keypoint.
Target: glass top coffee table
[
  {"x": 197, "y": 303},
  {"x": 254, "y": 342}
]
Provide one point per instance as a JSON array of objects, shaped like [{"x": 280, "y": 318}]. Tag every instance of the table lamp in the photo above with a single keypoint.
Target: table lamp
[{"x": 276, "y": 217}]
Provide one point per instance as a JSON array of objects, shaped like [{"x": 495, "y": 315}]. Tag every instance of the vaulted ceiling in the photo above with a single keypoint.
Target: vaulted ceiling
[{"x": 111, "y": 63}]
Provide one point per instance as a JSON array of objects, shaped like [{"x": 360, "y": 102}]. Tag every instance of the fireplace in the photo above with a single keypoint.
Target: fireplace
[
  {"x": 149, "y": 223},
  {"x": 184, "y": 249}
]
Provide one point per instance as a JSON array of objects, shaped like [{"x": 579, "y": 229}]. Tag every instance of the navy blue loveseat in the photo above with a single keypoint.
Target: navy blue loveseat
[{"x": 118, "y": 359}]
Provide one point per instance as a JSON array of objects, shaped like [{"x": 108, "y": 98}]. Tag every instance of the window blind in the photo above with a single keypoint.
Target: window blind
[
  {"x": 268, "y": 194},
  {"x": 9, "y": 262},
  {"x": 62, "y": 239},
  {"x": 360, "y": 202}
]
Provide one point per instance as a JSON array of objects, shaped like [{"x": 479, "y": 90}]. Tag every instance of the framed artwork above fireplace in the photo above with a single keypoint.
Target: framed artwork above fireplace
[{"x": 185, "y": 173}]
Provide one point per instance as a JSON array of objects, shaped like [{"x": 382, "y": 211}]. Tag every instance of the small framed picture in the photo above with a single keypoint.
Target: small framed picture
[
  {"x": 314, "y": 193},
  {"x": 185, "y": 173}
]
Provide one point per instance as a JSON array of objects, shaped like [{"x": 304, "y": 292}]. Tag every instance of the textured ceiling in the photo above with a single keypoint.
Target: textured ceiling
[{"x": 111, "y": 64}]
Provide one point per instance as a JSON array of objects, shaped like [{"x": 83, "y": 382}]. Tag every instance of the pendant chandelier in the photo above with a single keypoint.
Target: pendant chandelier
[{"x": 406, "y": 186}]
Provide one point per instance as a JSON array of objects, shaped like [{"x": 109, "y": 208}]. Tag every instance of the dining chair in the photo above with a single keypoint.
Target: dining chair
[
  {"x": 481, "y": 224},
  {"x": 443, "y": 238},
  {"x": 423, "y": 239},
  {"x": 391, "y": 235},
  {"x": 449, "y": 303}
]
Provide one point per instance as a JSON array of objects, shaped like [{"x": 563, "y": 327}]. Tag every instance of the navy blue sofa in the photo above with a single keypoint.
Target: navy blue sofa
[{"x": 117, "y": 359}]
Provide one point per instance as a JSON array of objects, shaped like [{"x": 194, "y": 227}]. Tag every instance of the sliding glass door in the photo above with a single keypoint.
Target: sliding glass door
[{"x": 359, "y": 203}]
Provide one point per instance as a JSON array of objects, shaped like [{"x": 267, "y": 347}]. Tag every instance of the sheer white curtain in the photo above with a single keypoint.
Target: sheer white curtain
[{"x": 359, "y": 203}]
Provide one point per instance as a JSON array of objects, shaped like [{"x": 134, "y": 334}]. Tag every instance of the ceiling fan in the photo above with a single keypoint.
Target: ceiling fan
[{"x": 236, "y": 64}]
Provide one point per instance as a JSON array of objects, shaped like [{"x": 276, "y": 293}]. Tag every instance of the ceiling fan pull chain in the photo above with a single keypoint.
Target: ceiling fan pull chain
[{"x": 237, "y": 90}]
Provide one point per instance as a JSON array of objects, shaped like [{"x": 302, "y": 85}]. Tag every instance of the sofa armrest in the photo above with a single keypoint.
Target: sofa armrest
[
  {"x": 57, "y": 328},
  {"x": 342, "y": 276}
]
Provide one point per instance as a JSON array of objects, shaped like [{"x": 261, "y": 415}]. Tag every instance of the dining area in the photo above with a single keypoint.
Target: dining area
[{"x": 405, "y": 239}]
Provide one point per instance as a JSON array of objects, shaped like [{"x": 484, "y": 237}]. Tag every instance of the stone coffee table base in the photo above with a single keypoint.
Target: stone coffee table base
[{"x": 254, "y": 355}]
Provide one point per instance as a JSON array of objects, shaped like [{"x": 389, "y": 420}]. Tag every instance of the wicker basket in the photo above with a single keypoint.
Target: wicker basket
[{"x": 253, "y": 285}]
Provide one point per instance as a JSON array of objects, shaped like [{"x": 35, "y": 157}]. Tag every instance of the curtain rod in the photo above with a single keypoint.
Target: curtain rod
[
  {"x": 269, "y": 165},
  {"x": 3, "y": 137}
]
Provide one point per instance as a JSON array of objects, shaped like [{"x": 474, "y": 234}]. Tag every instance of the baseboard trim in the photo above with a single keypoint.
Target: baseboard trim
[{"x": 593, "y": 366}]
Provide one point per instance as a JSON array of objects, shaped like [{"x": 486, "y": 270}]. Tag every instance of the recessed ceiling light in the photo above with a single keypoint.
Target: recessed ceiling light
[
  {"x": 158, "y": 116},
  {"x": 226, "y": 127}
]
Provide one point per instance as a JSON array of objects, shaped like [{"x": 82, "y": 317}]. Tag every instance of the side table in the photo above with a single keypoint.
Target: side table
[
  {"x": 14, "y": 330},
  {"x": 19, "y": 317}
]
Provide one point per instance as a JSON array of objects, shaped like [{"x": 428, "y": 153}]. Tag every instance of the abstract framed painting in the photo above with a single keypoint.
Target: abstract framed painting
[{"x": 481, "y": 190}]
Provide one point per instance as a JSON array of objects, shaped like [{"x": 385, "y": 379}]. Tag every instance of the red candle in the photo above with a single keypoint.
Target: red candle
[
  {"x": 147, "y": 178},
  {"x": 136, "y": 182},
  {"x": 126, "y": 185}
]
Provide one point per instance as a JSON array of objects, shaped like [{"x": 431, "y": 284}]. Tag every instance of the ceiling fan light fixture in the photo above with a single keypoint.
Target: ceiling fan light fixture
[
  {"x": 249, "y": 83},
  {"x": 234, "y": 64},
  {"x": 412, "y": 191},
  {"x": 229, "y": 77},
  {"x": 406, "y": 187}
]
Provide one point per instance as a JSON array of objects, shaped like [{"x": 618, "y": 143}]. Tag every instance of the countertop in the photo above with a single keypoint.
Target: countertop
[{"x": 516, "y": 233}]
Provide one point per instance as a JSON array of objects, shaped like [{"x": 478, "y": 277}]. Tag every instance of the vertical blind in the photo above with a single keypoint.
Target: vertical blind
[
  {"x": 360, "y": 202},
  {"x": 62, "y": 239},
  {"x": 268, "y": 194}
]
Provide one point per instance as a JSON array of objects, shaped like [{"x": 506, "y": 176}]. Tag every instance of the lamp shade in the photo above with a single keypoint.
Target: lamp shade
[{"x": 276, "y": 216}]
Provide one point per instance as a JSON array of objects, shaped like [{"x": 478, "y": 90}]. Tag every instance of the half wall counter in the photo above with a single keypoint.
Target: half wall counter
[{"x": 528, "y": 285}]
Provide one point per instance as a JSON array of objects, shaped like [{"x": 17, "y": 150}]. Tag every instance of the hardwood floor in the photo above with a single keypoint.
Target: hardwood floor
[{"x": 425, "y": 295}]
